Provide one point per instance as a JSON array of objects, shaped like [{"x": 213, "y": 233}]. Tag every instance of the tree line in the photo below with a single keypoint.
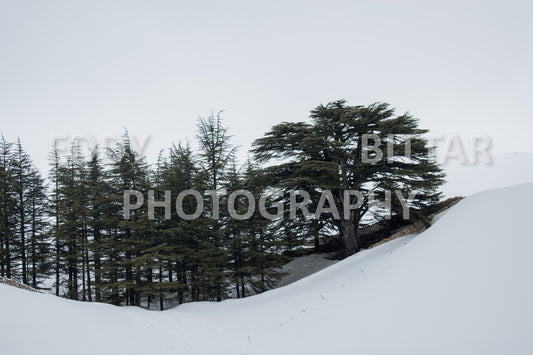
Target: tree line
[{"x": 68, "y": 233}]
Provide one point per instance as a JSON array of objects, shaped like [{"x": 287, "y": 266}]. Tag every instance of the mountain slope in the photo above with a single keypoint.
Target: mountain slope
[{"x": 461, "y": 287}]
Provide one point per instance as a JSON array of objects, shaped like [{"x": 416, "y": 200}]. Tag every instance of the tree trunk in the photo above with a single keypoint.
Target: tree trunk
[
  {"x": 97, "y": 266},
  {"x": 33, "y": 248},
  {"x": 348, "y": 225},
  {"x": 23, "y": 241},
  {"x": 349, "y": 235}
]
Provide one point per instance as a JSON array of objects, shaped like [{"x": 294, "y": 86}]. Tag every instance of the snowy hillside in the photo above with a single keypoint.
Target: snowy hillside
[
  {"x": 505, "y": 170},
  {"x": 461, "y": 287}
]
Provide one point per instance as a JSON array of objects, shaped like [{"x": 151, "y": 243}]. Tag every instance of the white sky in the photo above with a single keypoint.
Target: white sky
[{"x": 94, "y": 67}]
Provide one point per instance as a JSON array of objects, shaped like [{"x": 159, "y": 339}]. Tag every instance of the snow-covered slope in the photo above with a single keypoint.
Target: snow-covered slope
[
  {"x": 505, "y": 170},
  {"x": 463, "y": 286}
]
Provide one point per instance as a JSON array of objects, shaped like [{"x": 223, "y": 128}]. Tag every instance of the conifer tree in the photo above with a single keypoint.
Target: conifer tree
[
  {"x": 7, "y": 209},
  {"x": 22, "y": 175},
  {"x": 54, "y": 207},
  {"x": 216, "y": 155},
  {"x": 128, "y": 171},
  {"x": 182, "y": 238},
  {"x": 328, "y": 154},
  {"x": 72, "y": 229},
  {"x": 39, "y": 257},
  {"x": 99, "y": 207}
]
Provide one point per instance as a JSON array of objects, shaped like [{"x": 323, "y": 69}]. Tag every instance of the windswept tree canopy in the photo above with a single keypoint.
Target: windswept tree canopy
[{"x": 336, "y": 152}]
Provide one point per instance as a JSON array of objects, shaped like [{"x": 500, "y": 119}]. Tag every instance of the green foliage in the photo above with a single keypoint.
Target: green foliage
[
  {"x": 23, "y": 239},
  {"x": 76, "y": 232},
  {"x": 328, "y": 154}
]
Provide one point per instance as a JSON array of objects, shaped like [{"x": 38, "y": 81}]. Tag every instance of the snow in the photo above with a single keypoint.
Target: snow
[{"x": 463, "y": 286}]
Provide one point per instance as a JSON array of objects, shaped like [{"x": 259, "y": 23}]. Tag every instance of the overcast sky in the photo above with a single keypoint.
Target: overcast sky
[{"x": 94, "y": 67}]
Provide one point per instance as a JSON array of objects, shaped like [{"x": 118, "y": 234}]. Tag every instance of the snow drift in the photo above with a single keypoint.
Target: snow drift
[{"x": 461, "y": 287}]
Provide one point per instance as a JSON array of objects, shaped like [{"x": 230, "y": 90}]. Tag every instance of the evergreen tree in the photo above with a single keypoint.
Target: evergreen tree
[
  {"x": 72, "y": 230},
  {"x": 128, "y": 171},
  {"x": 39, "y": 258},
  {"x": 328, "y": 154},
  {"x": 54, "y": 212},
  {"x": 255, "y": 246},
  {"x": 182, "y": 238},
  {"x": 22, "y": 171},
  {"x": 99, "y": 208},
  {"x": 216, "y": 155},
  {"x": 7, "y": 209}
]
